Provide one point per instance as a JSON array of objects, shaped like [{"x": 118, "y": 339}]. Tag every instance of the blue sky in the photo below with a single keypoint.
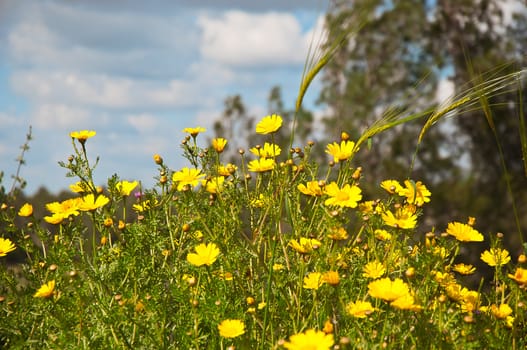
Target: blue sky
[{"x": 138, "y": 72}]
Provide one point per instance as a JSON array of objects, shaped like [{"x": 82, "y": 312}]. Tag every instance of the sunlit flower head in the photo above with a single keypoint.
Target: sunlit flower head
[
  {"x": 342, "y": 151},
  {"x": 126, "y": 187},
  {"x": 387, "y": 289},
  {"x": 495, "y": 257},
  {"x": 382, "y": 235},
  {"x": 520, "y": 276},
  {"x": 464, "y": 232},
  {"x": 6, "y": 246},
  {"x": 90, "y": 202},
  {"x": 227, "y": 169},
  {"x": 219, "y": 144},
  {"x": 373, "y": 269},
  {"x": 194, "y": 131},
  {"x": 269, "y": 150},
  {"x": 391, "y": 186},
  {"x": 313, "y": 280},
  {"x": 144, "y": 205},
  {"x": 311, "y": 188},
  {"x": 269, "y": 124},
  {"x": 82, "y": 135},
  {"x": 331, "y": 277},
  {"x": 187, "y": 176},
  {"x": 25, "y": 210},
  {"x": 205, "y": 254},
  {"x": 79, "y": 187},
  {"x": 261, "y": 165},
  {"x": 54, "y": 219},
  {"x": 406, "y": 302},
  {"x": 359, "y": 309},
  {"x": 464, "y": 269},
  {"x": 65, "y": 208},
  {"x": 338, "y": 234},
  {"x": 213, "y": 185},
  {"x": 310, "y": 340},
  {"x": 347, "y": 196},
  {"x": 415, "y": 192},
  {"x": 46, "y": 290},
  {"x": 403, "y": 217},
  {"x": 231, "y": 328},
  {"x": 304, "y": 245},
  {"x": 501, "y": 312}
]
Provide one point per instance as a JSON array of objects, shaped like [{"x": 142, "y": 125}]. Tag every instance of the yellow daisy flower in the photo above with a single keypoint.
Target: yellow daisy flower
[
  {"x": 464, "y": 232},
  {"x": 464, "y": 269},
  {"x": 311, "y": 188},
  {"x": 391, "y": 186},
  {"x": 194, "y": 131},
  {"x": 373, "y": 269},
  {"x": 205, "y": 254},
  {"x": 359, "y": 309},
  {"x": 82, "y": 135},
  {"x": 415, "y": 193},
  {"x": 46, "y": 290},
  {"x": 347, "y": 196},
  {"x": 187, "y": 176},
  {"x": 313, "y": 280},
  {"x": 304, "y": 245},
  {"x": 26, "y": 210},
  {"x": 269, "y": 150},
  {"x": 6, "y": 246},
  {"x": 310, "y": 339},
  {"x": 387, "y": 289},
  {"x": 495, "y": 257},
  {"x": 269, "y": 124},
  {"x": 219, "y": 144},
  {"x": 341, "y": 152},
  {"x": 520, "y": 276},
  {"x": 89, "y": 202},
  {"x": 403, "y": 218},
  {"x": 126, "y": 187},
  {"x": 231, "y": 328},
  {"x": 261, "y": 165}
]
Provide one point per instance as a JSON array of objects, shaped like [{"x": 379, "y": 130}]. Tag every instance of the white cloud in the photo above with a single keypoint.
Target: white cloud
[
  {"x": 60, "y": 117},
  {"x": 245, "y": 39},
  {"x": 142, "y": 122}
]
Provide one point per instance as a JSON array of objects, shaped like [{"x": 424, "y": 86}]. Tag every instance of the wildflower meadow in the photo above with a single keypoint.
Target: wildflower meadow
[{"x": 272, "y": 251}]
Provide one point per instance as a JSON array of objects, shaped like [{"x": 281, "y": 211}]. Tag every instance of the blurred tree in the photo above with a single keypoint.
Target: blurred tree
[{"x": 396, "y": 60}]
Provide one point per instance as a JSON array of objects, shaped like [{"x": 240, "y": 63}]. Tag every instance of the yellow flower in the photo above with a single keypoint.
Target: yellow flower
[
  {"x": 82, "y": 135},
  {"x": 464, "y": 269},
  {"x": 6, "y": 246},
  {"x": 79, "y": 187},
  {"x": 359, "y": 309},
  {"x": 520, "y": 276},
  {"x": 219, "y": 144},
  {"x": 382, "y": 235},
  {"x": 391, "y": 186},
  {"x": 374, "y": 269},
  {"x": 403, "y": 218},
  {"x": 261, "y": 165},
  {"x": 304, "y": 245},
  {"x": 26, "y": 210},
  {"x": 125, "y": 187},
  {"x": 206, "y": 254},
  {"x": 495, "y": 257},
  {"x": 269, "y": 150},
  {"x": 54, "y": 219},
  {"x": 464, "y": 232},
  {"x": 338, "y": 234},
  {"x": 387, "y": 289},
  {"x": 331, "y": 277},
  {"x": 415, "y": 192},
  {"x": 144, "y": 205},
  {"x": 64, "y": 209},
  {"x": 89, "y": 202},
  {"x": 500, "y": 312},
  {"x": 194, "y": 131},
  {"x": 347, "y": 196},
  {"x": 340, "y": 152},
  {"x": 227, "y": 170},
  {"x": 46, "y": 290},
  {"x": 406, "y": 302},
  {"x": 311, "y": 188},
  {"x": 187, "y": 176},
  {"x": 313, "y": 280},
  {"x": 310, "y": 340},
  {"x": 231, "y": 328},
  {"x": 214, "y": 185},
  {"x": 269, "y": 124}
]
